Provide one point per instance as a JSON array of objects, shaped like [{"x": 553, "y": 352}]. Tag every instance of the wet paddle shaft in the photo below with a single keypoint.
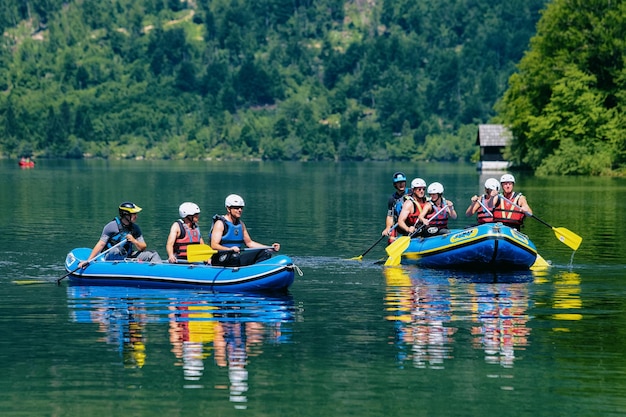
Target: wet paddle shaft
[{"x": 566, "y": 236}]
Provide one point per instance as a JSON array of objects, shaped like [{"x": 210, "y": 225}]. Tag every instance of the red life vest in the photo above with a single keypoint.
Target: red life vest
[
  {"x": 485, "y": 216},
  {"x": 441, "y": 219},
  {"x": 418, "y": 208},
  {"x": 188, "y": 236},
  {"x": 507, "y": 213}
]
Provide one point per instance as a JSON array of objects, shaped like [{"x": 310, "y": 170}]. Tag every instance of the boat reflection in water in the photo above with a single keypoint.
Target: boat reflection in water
[
  {"x": 429, "y": 308},
  {"x": 229, "y": 327}
]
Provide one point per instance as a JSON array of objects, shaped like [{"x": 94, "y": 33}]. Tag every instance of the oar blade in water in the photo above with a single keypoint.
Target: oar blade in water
[{"x": 396, "y": 249}]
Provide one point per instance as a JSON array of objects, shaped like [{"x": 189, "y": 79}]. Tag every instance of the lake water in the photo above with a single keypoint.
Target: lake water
[{"x": 351, "y": 338}]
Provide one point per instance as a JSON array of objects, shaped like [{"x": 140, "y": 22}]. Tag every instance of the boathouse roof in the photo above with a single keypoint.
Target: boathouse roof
[{"x": 493, "y": 135}]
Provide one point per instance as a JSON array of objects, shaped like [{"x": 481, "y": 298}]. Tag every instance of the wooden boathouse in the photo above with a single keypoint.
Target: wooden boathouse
[{"x": 492, "y": 139}]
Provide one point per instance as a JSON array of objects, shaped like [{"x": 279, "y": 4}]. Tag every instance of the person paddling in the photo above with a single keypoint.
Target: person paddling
[
  {"x": 121, "y": 228},
  {"x": 485, "y": 204},
  {"x": 229, "y": 235},
  {"x": 184, "y": 232},
  {"x": 394, "y": 205},
  {"x": 441, "y": 210},
  {"x": 413, "y": 206},
  {"x": 506, "y": 209}
]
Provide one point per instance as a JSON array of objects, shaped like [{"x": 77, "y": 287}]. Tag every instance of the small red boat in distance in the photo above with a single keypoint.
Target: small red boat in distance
[{"x": 26, "y": 162}]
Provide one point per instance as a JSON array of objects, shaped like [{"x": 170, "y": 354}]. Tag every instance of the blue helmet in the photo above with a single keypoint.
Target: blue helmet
[{"x": 399, "y": 177}]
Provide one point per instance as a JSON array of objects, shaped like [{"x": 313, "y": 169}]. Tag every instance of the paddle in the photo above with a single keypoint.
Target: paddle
[
  {"x": 566, "y": 236},
  {"x": 199, "y": 253},
  {"x": 540, "y": 264},
  {"x": 360, "y": 257},
  {"x": 202, "y": 253},
  {"x": 91, "y": 260},
  {"x": 399, "y": 245}
]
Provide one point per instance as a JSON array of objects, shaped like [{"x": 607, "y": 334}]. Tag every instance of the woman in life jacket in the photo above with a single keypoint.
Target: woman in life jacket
[
  {"x": 510, "y": 209},
  {"x": 484, "y": 205},
  {"x": 184, "y": 232},
  {"x": 394, "y": 205},
  {"x": 118, "y": 229},
  {"x": 436, "y": 213},
  {"x": 413, "y": 206},
  {"x": 229, "y": 236}
]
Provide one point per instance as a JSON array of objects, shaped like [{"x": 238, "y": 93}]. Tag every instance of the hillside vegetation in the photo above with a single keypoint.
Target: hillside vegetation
[{"x": 287, "y": 80}]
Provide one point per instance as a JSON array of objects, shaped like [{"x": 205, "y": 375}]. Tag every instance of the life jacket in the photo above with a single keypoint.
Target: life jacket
[
  {"x": 399, "y": 201},
  {"x": 418, "y": 208},
  {"x": 123, "y": 231},
  {"x": 485, "y": 216},
  {"x": 188, "y": 236},
  {"x": 507, "y": 213},
  {"x": 233, "y": 233},
  {"x": 441, "y": 219}
]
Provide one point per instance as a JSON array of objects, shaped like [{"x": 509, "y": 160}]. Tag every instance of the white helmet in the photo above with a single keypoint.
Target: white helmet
[
  {"x": 435, "y": 188},
  {"x": 188, "y": 209},
  {"x": 507, "y": 178},
  {"x": 418, "y": 182},
  {"x": 234, "y": 200},
  {"x": 492, "y": 184}
]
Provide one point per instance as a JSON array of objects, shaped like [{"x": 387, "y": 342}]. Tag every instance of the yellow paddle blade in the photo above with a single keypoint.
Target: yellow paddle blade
[
  {"x": 199, "y": 253},
  {"x": 396, "y": 249},
  {"x": 540, "y": 264},
  {"x": 568, "y": 237},
  {"x": 356, "y": 258}
]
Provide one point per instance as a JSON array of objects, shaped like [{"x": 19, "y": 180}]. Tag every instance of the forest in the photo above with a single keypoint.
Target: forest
[{"x": 314, "y": 80}]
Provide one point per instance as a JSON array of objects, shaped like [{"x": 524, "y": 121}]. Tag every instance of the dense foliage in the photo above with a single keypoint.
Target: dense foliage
[
  {"x": 272, "y": 79},
  {"x": 566, "y": 105}
]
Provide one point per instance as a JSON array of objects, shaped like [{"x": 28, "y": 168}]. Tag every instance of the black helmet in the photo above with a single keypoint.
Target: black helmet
[
  {"x": 399, "y": 177},
  {"x": 129, "y": 208}
]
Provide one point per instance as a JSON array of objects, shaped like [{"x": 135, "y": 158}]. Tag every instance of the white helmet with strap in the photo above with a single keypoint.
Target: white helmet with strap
[
  {"x": 507, "y": 178},
  {"x": 418, "y": 182},
  {"x": 435, "y": 188},
  {"x": 492, "y": 184},
  {"x": 188, "y": 209},
  {"x": 234, "y": 200}
]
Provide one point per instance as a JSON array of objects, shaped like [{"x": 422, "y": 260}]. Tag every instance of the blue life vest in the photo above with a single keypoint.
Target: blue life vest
[
  {"x": 233, "y": 233},
  {"x": 123, "y": 231}
]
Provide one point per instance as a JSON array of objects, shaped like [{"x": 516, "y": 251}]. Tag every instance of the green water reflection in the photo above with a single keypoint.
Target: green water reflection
[{"x": 351, "y": 338}]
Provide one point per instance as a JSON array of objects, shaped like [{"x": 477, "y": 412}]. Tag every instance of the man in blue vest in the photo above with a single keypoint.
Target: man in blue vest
[
  {"x": 229, "y": 236},
  {"x": 394, "y": 205},
  {"x": 118, "y": 229}
]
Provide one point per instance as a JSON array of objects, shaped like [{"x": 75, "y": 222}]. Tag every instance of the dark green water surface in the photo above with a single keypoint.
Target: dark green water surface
[{"x": 350, "y": 339}]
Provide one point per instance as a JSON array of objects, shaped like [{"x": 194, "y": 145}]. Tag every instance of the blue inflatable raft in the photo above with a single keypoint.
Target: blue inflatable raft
[
  {"x": 491, "y": 246},
  {"x": 272, "y": 275}
]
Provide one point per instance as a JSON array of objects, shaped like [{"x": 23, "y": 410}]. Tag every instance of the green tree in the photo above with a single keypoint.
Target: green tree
[{"x": 565, "y": 106}]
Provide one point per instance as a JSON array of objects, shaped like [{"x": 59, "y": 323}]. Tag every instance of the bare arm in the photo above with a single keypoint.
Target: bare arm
[
  {"x": 216, "y": 237},
  {"x": 404, "y": 214},
  {"x": 388, "y": 225},
  {"x": 139, "y": 243},
  {"x": 427, "y": 209},
  {"x": 171, "y": 239},
  {"x": 524, "y": 205},
  {"x": 473, "y": 207},
  {"x": 253, "y": 244},
  {"x": 94, "y": 252},
  {"x": 451, "y": 210}
]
